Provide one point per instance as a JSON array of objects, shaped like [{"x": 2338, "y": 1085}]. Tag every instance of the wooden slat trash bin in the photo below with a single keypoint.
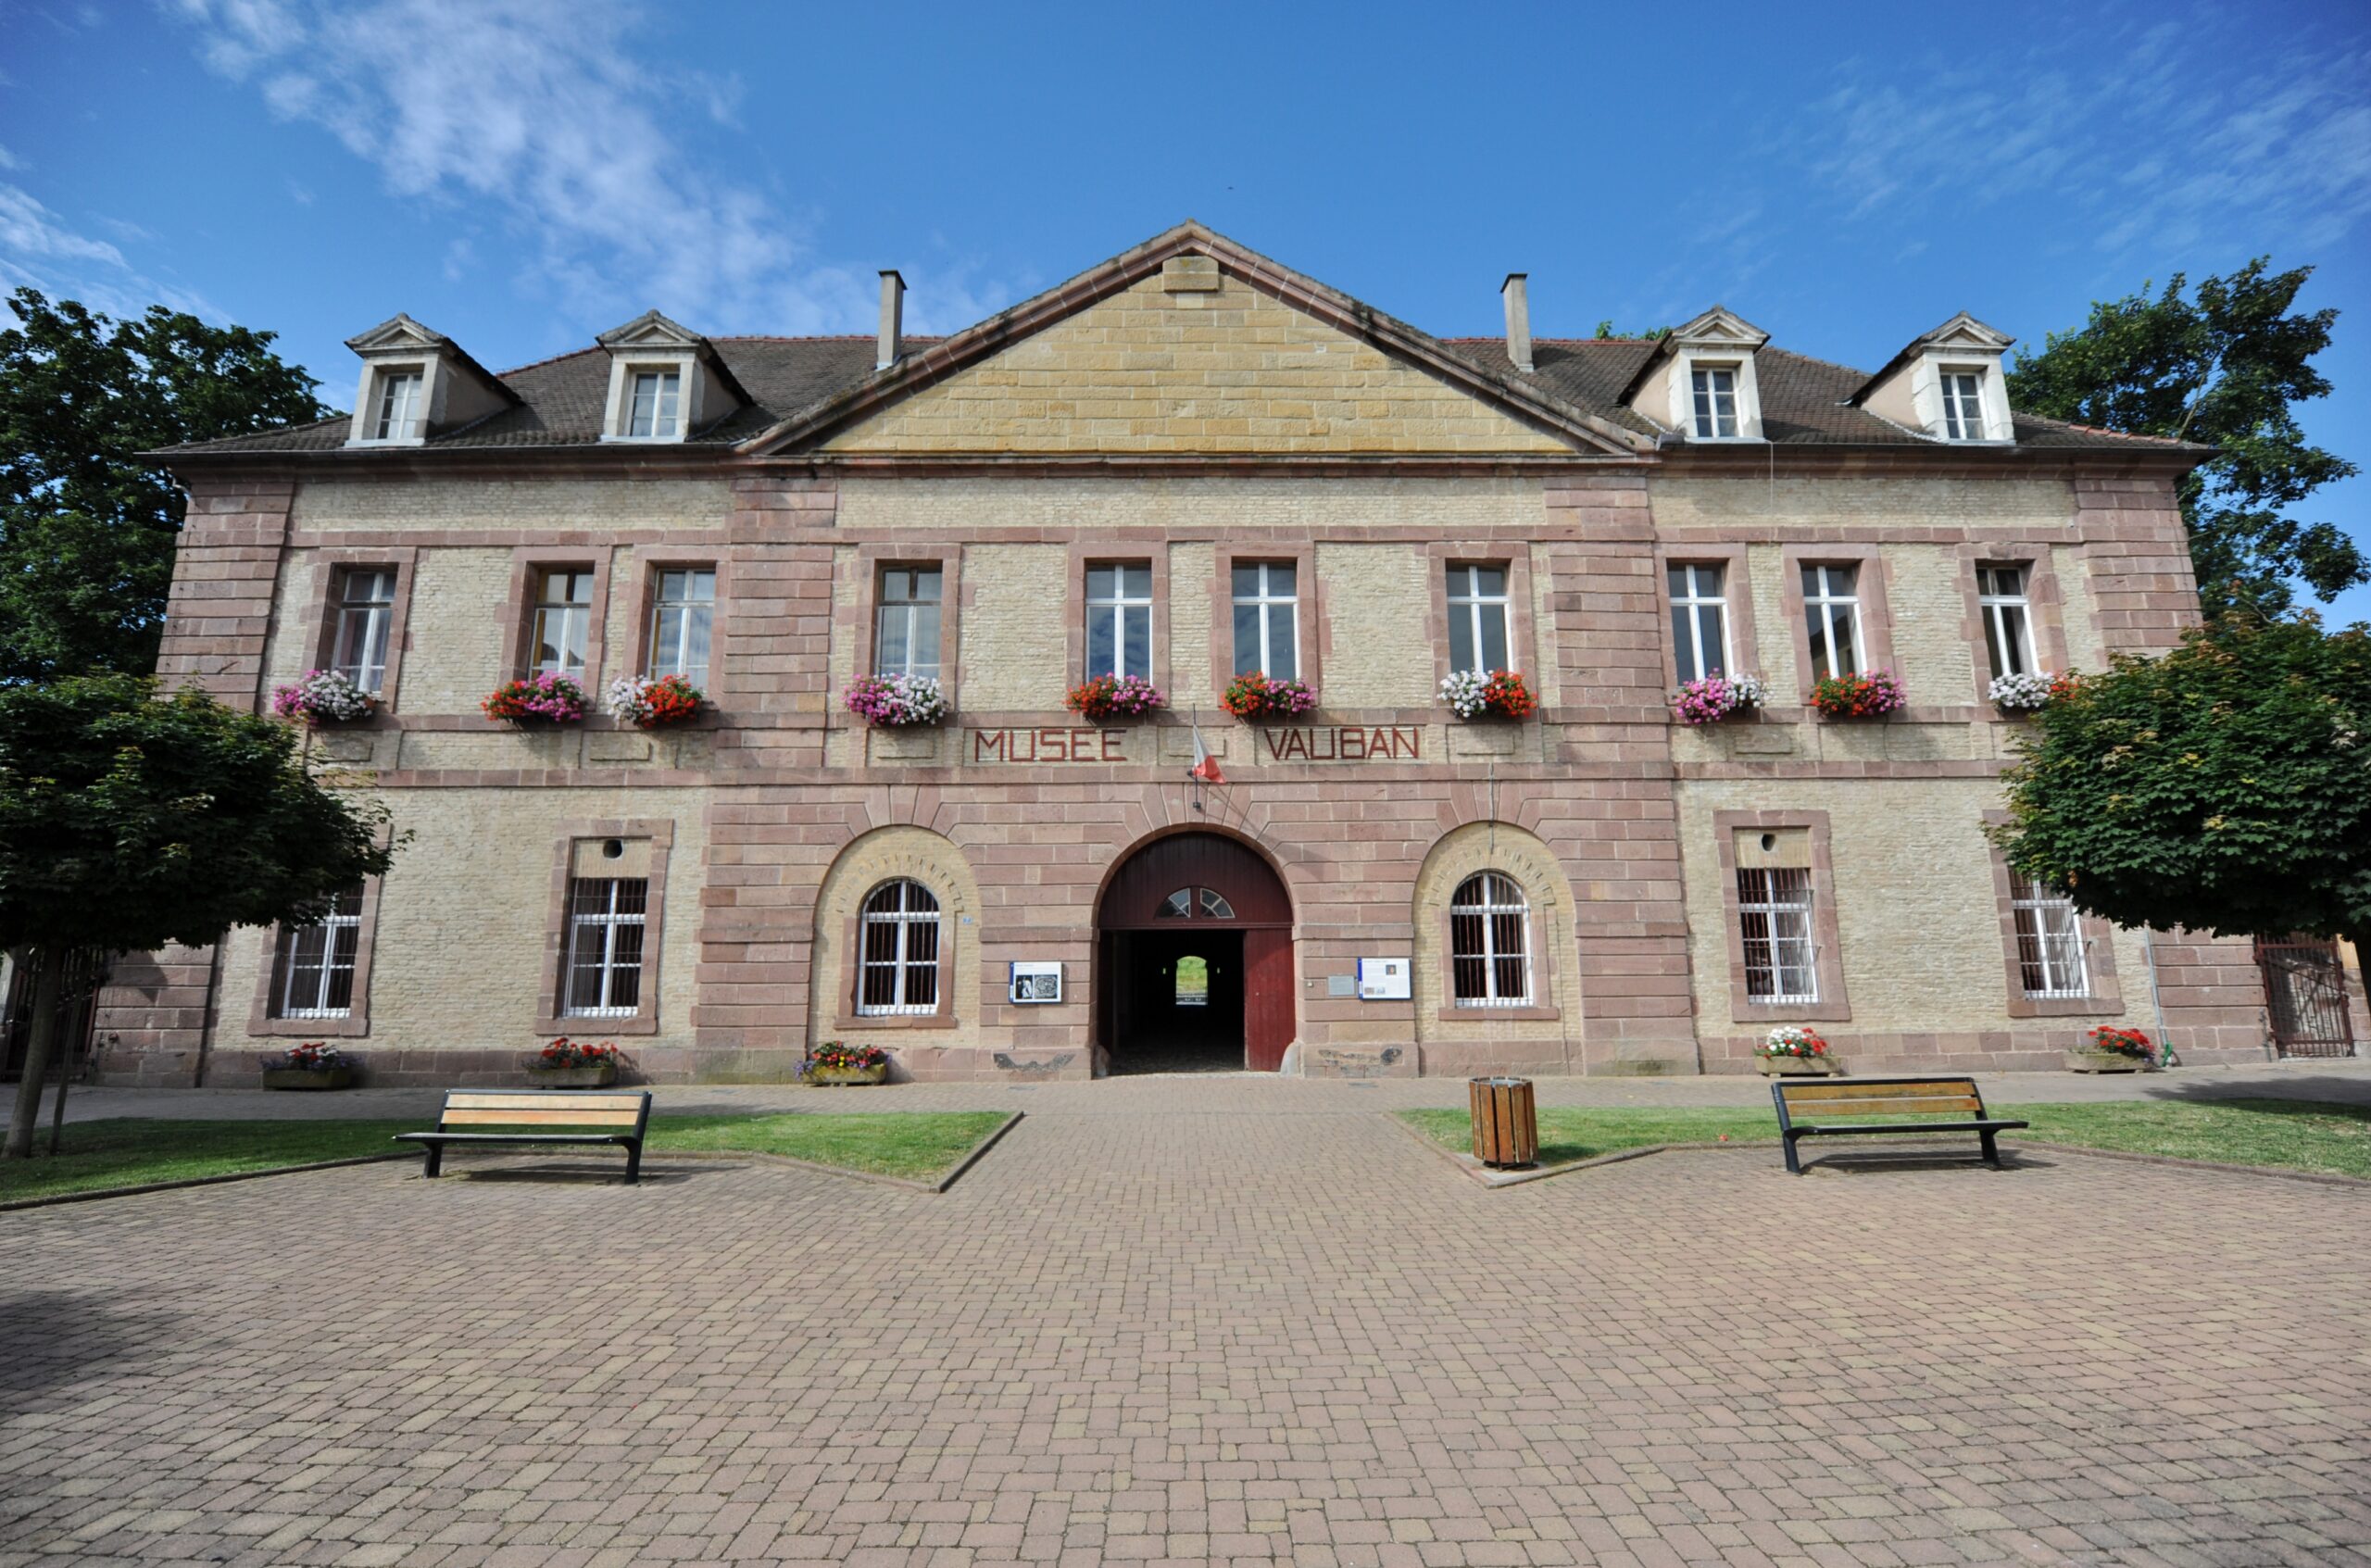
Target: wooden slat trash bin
[{"x": 1506, "y": 1127}]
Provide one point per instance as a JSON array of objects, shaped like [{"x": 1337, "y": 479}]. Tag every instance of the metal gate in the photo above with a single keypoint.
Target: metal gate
[{"x": 2305, "y": 989}]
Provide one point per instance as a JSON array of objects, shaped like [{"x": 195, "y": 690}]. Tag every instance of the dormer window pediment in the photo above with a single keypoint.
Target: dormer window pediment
[
  {"x": 1701, "y": 382},
  {"x": 666, "y": 381},
  {"x": 416, "y": 381},
  {"x": 1950, "y": 384}
]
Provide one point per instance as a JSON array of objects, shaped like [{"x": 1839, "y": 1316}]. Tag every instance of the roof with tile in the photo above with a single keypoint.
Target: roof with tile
[{"x": 1576, "y": 382}]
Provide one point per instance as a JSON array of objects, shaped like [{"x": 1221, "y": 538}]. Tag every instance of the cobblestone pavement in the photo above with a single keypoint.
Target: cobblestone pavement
[{"x": 1229, "y": 1324}]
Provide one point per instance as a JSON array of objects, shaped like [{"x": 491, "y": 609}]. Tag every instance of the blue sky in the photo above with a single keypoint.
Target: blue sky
[{"x": 524, "y": 174}]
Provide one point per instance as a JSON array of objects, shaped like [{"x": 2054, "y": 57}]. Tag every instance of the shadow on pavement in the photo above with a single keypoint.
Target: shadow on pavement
[{"x": 55, "y": 1338}]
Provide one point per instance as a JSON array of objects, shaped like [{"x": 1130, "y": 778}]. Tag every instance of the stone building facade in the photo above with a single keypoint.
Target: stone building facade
[{"x": 1186, "y": 462}]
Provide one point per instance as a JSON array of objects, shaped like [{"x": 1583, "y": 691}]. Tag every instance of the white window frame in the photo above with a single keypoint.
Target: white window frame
[
  {"x": 671, "y": 654},
  {"x": 398, "y": 402},
  {"x": 1961, "y": 390},
  {"x": 2051, "y": 943},
  {"x": 358, "y": 649},
  {"x": 340, "y": 933},
  {"x": 1501, "y": 897},
  {"x": 565, "y": 613},
  {"x": 1706, "y": 394},
  {"x": 1785, "y": 908},
  {"x": 1468, "y": 603},
  {"x": 664, "y": 419},
  {"x": 904, "y": 964},
  {"x": 1821, "y": 600},
  {"x": 1119, "y": 606},
  {"x": 604, "y": 923},
  {"x": 907, "y": 612},
  {"x": 1266, "y": 606},
  {"x": 1691, "y": 604},
  {"x": 2008, "y": 618}
]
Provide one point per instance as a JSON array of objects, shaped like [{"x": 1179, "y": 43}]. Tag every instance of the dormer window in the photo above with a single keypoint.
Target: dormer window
[
  {"x": 1716, "y": 402},
  {"x": 658, "y": 396},
  {"x": 1963, "y": 392},
  {"x": 666, "y": 381},
  {"x": 398, "y": 414},
  {"x": 1700, "y": 381}
]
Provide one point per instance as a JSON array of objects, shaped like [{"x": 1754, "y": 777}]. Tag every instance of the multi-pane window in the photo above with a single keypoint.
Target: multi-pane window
[
  {"x": 398, "y": 411},
  {"x": 1963, "y": 405},
  {"x": 1478, "y": 617},
  {"x": 683, "y": 623},
  {"x": 1775, "y": 918},
  {"x": 1717, "y": 401},
  {"x": 2050, "y": 940},
  {"x": 605, "y": 927},
  {"x": 905, "y": 630},
  {"x": 2008, "y": 618},
  {"x": 900, "y": 926},
  {"x": 1267, "y": 634},
  {"x": 1489, "y": 937},
  {"x": 1699, "y": 621},
  {"x": 563, "y": 621},
  {"x": 365, "y": 606},
  {"x": 317, "y": 962},
  {"x": 1832, "y": 606},
  {"x": 656, "y": 398},
  {"x": 1119, "y": 620}
]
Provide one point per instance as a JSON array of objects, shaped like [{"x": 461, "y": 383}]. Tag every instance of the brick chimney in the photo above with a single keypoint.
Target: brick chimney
[
  {"x": 1516, "y": 291},
  {"x": 893, "y": 319}
]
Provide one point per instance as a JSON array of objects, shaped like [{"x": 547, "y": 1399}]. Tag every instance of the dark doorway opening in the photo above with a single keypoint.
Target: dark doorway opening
[
  {"x": 1180, "y": 1002},
  {"x": 1193, "y": 960}
]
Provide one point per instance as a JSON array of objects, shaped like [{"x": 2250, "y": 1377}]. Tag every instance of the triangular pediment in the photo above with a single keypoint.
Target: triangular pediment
[
  {"x": 1721, "y": 326},
  {"x": 1191, "y": 345},
  {"x": 1964, "y": 331},
  {"x": 398, "y": 333},
  {"x": 651, "y": 329}
]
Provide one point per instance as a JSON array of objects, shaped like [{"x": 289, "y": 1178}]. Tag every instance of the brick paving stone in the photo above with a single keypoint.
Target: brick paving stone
[{"x": 1224, "y": 1320}]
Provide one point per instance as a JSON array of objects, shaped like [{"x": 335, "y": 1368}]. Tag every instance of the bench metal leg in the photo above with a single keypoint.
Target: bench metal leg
[
  {"x": 1794, "y": 1165},
  {"x": 633, "y": 1163},
  {"x": 435, "y": 1159},
  {"x": 1991, "y": 1149}
]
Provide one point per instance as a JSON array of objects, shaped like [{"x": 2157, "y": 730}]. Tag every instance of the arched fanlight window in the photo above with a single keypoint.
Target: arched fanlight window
[
  {"x": 900, "y": 947},
  {"x": 1489, "y": 942},
  {"x": 1191, "y": 903}
]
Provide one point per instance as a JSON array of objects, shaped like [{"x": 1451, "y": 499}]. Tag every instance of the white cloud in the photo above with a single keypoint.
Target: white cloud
[
  {"x": 2143, "y": 144},
  {"x": 39, "y": 250},
  {"x": 543, "y": 109}
]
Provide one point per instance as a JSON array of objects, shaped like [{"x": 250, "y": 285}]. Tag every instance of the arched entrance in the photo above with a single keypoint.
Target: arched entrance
[{"x": 1194, "y": 959}]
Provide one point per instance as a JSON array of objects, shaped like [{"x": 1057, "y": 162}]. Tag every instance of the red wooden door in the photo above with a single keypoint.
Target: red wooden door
[
  {"x": 1226, "y": 886},
  {"x": 1267, "y": 998}
]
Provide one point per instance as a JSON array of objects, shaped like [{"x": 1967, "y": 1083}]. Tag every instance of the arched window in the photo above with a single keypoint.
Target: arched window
[
  {"x": 1191, "y": 903},
  {"x": 1489, "y": 937},
  {"x": 900, "y": 947}
]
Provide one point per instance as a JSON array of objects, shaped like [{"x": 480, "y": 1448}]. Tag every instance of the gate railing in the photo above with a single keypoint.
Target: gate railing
[{"x": 2304, "y": 991}]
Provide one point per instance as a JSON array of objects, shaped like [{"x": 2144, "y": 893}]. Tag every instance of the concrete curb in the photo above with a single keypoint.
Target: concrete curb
[
  {"x": 96, "y": 1193},
  {"x": 2319, "y": 1178},
  {"x": 755, "y": 1156}
]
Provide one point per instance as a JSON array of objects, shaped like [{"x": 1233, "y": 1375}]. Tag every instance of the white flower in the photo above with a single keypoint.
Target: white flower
[
  {"x": 1466, "y": 693},
  {"x": 2022, "y": 691}
]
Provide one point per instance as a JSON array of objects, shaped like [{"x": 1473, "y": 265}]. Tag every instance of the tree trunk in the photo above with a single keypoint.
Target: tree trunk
[{"x": 49, "y": 979}]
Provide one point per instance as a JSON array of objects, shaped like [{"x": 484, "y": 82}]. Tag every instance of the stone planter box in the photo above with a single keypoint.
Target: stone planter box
[
  {"x": 1794, "y": 1066},
  {"x": 598, "y": 1076},
  {"x": 306, "y": 1078},
  {"x": 840, "y": 1076},
  {"x": 2084, "y": 1060}
]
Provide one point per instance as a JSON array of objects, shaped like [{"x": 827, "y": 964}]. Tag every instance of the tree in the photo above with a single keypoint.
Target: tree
[
  {"x": 86, "y": 528},
  {"x": 128, "y": 821},
  {"x": 2225, "y": 786},
  {"x": 2222, "y": 368}
]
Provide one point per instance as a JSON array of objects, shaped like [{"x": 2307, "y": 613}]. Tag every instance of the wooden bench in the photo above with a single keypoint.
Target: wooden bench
[
  {"x": 1883, "y": 1097},
  {"x": 539, "y": 1116}
]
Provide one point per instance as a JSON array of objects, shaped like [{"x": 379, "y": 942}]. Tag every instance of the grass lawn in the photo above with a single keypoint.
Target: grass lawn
[
  {"x": 132, "y": 1152},
  {"x": 2292, "y": 1135}
]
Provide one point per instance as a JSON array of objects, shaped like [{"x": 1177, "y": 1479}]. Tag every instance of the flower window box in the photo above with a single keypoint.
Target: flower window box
[
  {"x": 1255, "y": 699},
  {"x": 654, "y": 704},
  {"x": 1870, "y": 695},
  {"x": 1715, "y": 698},
  {"x": 1501, "y": 694},
  {"x": 1109, "y": 697},
  {"x": 540, "y": 699},
  {"x": 896, "y": 702},
  {"x": 324, "y": 696}
]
